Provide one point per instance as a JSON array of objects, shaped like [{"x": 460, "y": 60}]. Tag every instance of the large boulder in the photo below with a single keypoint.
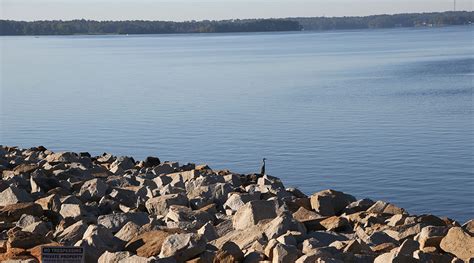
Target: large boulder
[
  {"x": 183, "y": 247},
  {"x": 459, "y": 243},
  {"x": 253, "y": 212},
  {"x": 330, "y": 202}
]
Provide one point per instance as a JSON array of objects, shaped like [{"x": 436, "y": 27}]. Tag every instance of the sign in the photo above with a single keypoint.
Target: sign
[{"x": 62, "y": 255}]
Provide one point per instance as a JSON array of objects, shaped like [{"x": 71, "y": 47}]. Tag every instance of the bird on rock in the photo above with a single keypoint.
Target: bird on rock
[{"x": 262, "y": 170}]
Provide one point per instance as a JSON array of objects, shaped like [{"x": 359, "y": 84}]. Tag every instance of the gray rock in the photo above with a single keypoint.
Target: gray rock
[
  {"x": 26, "y": 220},
  {"x": 40, "y": 228},
  {"x": 159, "y": 205},
  {"x": 93, "y": 189},
  {"x": 121, "y": 164},
  {"x": 237, "y": 200},
  {"x": 114, "y": 222},
  {"x": 282, "y": 224}
]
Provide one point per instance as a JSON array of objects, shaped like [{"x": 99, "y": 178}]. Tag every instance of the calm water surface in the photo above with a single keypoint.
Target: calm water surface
[{"x": 385, "y": 114}]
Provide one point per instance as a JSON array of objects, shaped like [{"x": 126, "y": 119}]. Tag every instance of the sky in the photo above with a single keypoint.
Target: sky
[{"x": 182, "y": 10}]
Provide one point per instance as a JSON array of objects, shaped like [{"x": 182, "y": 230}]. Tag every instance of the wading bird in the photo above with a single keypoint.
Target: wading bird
[{"x": 262, "y": 170}]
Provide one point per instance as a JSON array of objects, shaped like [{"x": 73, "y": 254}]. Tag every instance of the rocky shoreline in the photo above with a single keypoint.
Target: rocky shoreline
[{"x": 121, "y": 210}]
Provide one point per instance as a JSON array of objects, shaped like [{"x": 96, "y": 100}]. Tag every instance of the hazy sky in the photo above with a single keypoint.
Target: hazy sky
[{"x": 179, "y": 10}]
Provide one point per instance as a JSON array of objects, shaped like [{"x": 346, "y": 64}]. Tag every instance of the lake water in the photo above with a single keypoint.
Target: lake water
[{"x": 384, "y": 114}]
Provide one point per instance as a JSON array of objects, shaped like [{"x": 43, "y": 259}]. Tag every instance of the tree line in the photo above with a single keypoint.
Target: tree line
[
  {"x": 73, "y": 27},
  {"x": 386, "y": 21}
]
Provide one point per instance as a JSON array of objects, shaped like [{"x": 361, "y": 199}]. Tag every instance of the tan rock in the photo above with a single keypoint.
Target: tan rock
[
  {"x": 396, "y": 220},
  {"x": 459, "y": 243},
  {"x": 128, "y": 231},
  {"x": 381, "y": 207},
  {"x": 335, "y": 223}
]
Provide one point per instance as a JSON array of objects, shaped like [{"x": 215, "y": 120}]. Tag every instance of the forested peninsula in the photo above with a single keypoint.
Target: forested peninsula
[{"x": 91, "y": 27}]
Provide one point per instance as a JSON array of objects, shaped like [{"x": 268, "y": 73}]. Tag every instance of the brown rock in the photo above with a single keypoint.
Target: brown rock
[
  {"x": 25, "y": 240},
  {"x": 229, "y": 252},
  {"x": 384, "y": 247}
]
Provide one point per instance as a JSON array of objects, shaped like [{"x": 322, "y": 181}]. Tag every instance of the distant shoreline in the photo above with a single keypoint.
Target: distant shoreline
[{"x": 141, "y": 27}]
